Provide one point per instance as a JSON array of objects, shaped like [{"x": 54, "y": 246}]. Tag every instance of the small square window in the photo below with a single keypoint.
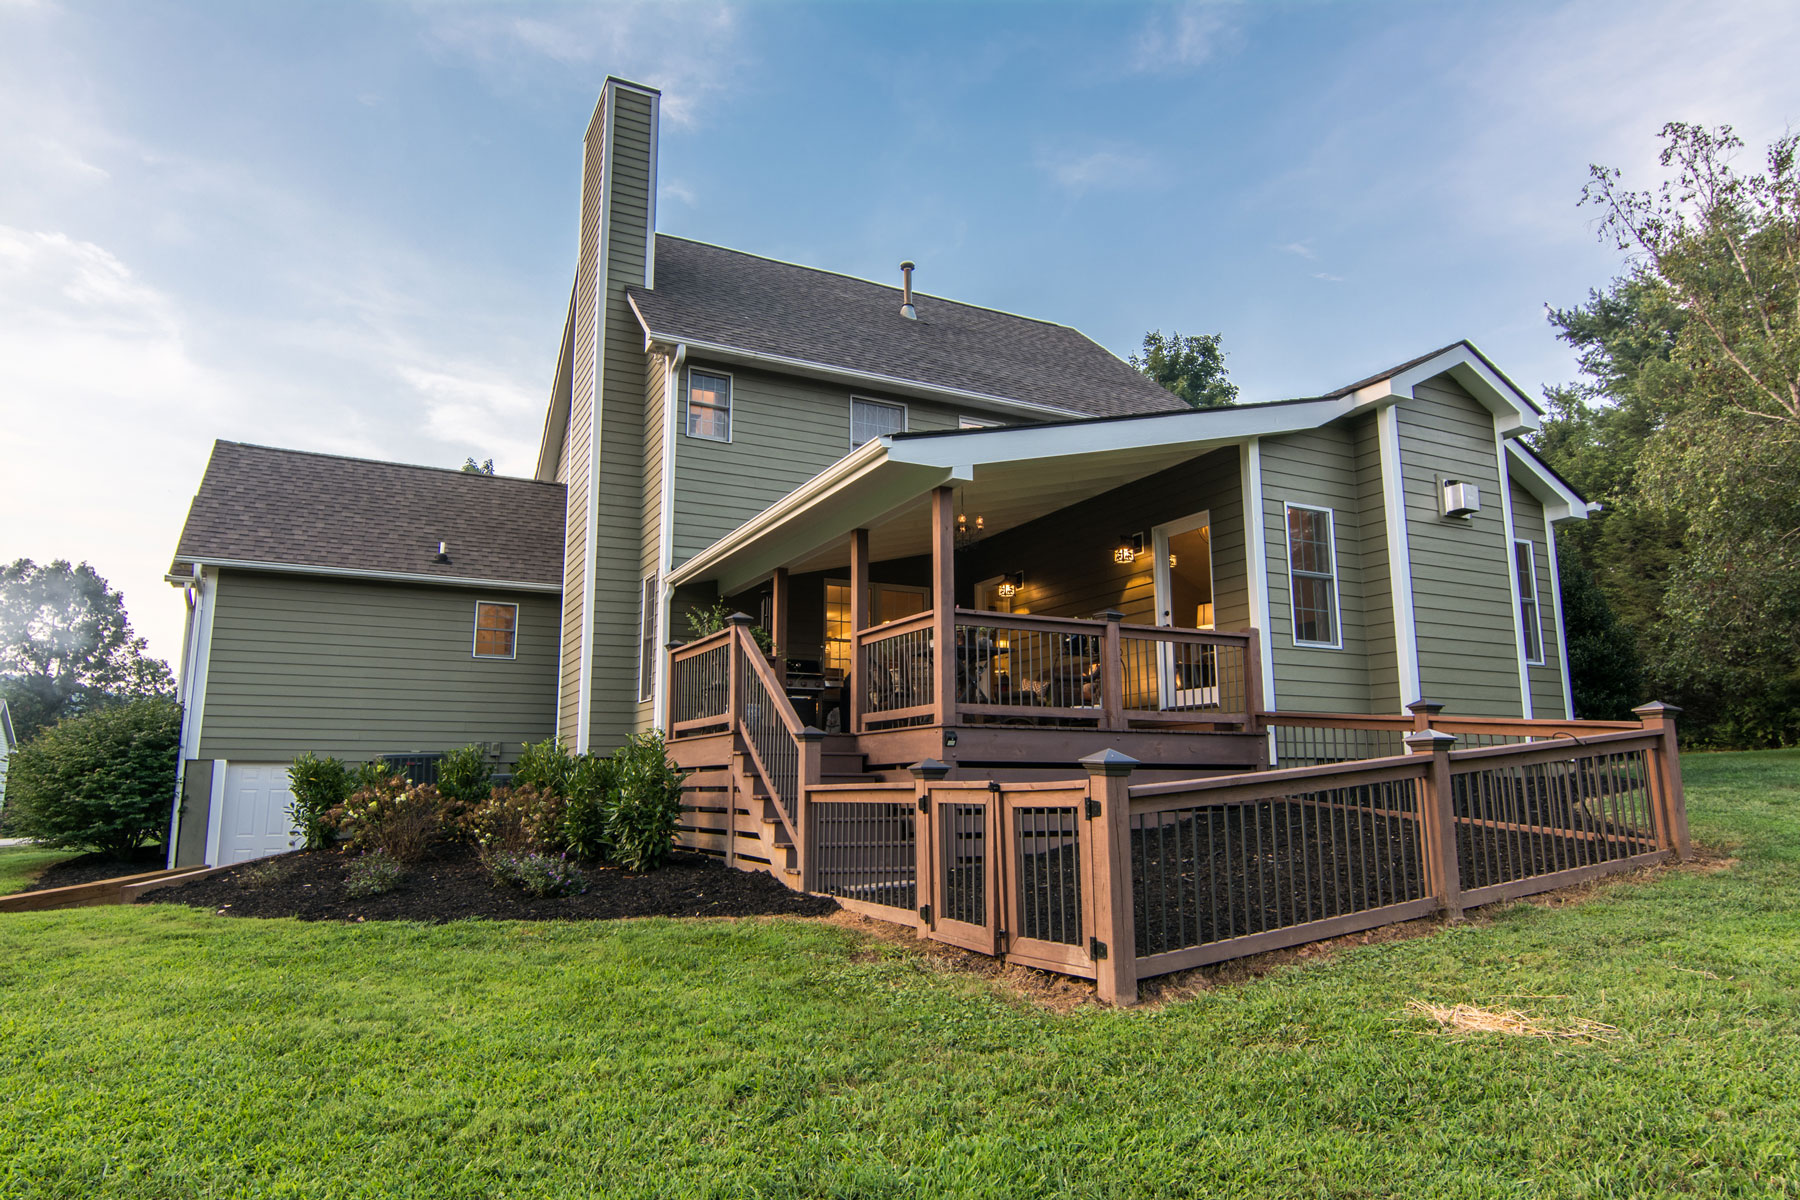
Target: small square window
[
  {"x": 709, "y": 406},
  {"x": 496, "y": 627},
  {"x": 870, "y": 419}
]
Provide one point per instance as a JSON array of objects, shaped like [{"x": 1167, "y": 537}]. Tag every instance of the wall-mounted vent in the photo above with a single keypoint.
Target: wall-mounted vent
[{"x": 1460, "y": 499}]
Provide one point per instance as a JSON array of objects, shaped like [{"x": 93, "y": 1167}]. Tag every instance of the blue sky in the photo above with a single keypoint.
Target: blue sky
[{"x": 351, "y": 227}]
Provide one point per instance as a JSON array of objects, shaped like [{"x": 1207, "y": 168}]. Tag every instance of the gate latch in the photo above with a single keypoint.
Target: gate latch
[
  {"x": 925, "y": 803},
  {"x": 925, "y": 913},
  {"x": 1096, "y": 949}
]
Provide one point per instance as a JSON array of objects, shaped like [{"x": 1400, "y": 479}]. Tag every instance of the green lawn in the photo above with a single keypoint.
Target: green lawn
[
  {"x": 163, "y": 1053},
  {"x": 20, "y": 865}
]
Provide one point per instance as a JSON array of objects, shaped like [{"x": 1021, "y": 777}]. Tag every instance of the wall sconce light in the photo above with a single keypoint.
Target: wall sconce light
[
  {"x": 1130, "y": 546},
  {"x": 1171, "y": 558},
  {"x": 1010, "y": 585}
]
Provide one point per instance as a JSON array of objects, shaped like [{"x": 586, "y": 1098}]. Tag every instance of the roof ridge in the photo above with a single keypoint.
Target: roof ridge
[
  {"x": 874, "y": 283},
  {"x": 380, "y": 462}
]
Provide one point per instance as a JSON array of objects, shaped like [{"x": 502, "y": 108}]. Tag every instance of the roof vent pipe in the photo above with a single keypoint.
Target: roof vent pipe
[{"x": 906, "y": 305}]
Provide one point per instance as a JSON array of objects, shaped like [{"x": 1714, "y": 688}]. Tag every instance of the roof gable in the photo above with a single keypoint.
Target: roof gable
[
  {"x": 292, "y": 509},
  {"x": 710, "y": 296}
]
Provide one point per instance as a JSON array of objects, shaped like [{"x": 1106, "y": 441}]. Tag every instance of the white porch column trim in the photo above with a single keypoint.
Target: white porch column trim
[
  {"x": 1393, "y": 491},
  {"x": 1512, "y": 572},
  {"x": 1256, "y": 565},
  {"x": 665, "y": 529}
]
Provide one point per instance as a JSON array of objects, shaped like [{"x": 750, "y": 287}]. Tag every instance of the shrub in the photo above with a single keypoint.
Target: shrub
[
  {"x": 584, "y": 816},
  {"x": 318, "y": 785},
  {"x": 644, "y": 804},
  {"x": 516, "y": 820},
  {"x": 464, "y": 775},
  {"x": 103, "y": 780},
  {"x": 538, "y": 875},
  {"x": 266, "y": 872},
  {"x": 544, "y": 766},
  {"x": 372, "y": 874},
  {"x": 388, "y": 815}
]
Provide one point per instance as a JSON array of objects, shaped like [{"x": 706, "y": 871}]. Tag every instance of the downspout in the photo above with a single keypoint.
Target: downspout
[
  {"x": 665, "y": 533},
  {"x": 184, "y": 688}
]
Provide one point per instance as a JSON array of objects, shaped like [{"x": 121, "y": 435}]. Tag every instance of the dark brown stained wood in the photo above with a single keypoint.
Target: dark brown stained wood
[
  {"x": 779, "y": 617},
  {"x": 1277, "y": 939},
  {"x": 943, "y": 604},
  {"x": 855, "y": 686}
]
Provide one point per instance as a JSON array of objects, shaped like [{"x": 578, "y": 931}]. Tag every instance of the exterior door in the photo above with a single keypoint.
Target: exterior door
[
  {"x": 255, "y": 823},
  {"x": 1184, "y": 599}
]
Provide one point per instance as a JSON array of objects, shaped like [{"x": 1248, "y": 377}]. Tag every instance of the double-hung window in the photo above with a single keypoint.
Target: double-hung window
[
  {"x": 647, "y": 638},
  {"x": 496, "y": 629},
  {"x": 871, "y": 419},
  {"x": 708, "y": 405},
  {"x": 1531, "y": 625},
  {"x": 1312, "y": 576}
]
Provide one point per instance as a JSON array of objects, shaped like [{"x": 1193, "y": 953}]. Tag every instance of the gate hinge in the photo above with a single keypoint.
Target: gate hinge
[
  {"x": 1096, "y": 949},
  {"x": 1094, "y": 810},
  {"x": 925, "y": 913}
]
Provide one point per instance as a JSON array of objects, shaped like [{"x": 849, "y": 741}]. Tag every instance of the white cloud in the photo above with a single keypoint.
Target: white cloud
[
  {"x": 694, "y": 53},
  {"x": 1299, "y": 248},
  {"x": 1182, "y": 37},
  {"x": 1328, "y": 277},
  {"x": 1103, "y": 168}
]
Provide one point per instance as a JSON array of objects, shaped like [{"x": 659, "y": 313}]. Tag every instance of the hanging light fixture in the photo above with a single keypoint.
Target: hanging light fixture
[
  {"x": 1130, "y": 546},
  {"x": 969, "y": 532},
  {"x": 1010, "y": 585}
]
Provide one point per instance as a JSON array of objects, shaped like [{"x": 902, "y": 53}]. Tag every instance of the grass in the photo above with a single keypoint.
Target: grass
[
  {"x": 21, "y": 865},
  {"x": 170, "y": 1053}
]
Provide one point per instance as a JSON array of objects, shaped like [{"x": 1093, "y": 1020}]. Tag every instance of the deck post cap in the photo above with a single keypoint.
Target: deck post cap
[
  {"x": 1430, "y": 707},
  {"x": 1428, "y": 741},
  {"x": 1110, "y": 762},
  {"x": 811, "y": 733},
  {"x": 929, "y": 768},
  {"x": 1656, "y": 708},
  {"x": 739, "y": 618}
]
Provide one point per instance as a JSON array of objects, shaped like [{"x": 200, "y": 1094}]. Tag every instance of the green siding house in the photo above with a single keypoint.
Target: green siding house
[{"x": 790, "y": 442}]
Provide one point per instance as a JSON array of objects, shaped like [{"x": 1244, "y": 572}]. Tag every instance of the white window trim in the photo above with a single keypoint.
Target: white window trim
[
  {"x": 1287, "y": 537},
  {"x": 1537, "y": 599},
  {"x": 647, "y": 624},
  {"x": 687, "y": 404},
  {"x": 905, "y": 415},
  {"x": 475, "y": 633}
]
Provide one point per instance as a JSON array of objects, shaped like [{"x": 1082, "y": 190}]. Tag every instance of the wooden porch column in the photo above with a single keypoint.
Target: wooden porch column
[
  {"x": 1112, "y": 672},
  {"x": 856, "y": 687},
  {"x": 943, "y": 605},
  {"x": 1665, "y": 774},
  {"x": 1437, "y": 820},
  {"x": 778, "y": 620},
  {"x": 1109, "y": 837}
]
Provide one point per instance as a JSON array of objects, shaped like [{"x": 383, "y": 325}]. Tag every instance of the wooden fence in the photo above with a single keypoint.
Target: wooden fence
[{"x": 1106, "y": 880}]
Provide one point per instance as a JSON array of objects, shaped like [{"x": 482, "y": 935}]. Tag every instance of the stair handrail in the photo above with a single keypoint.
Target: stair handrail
[{"x": 805, "y": 741}]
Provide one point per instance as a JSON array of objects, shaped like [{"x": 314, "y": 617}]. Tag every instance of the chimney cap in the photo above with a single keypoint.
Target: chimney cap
[{"x": 909, "y": 265}]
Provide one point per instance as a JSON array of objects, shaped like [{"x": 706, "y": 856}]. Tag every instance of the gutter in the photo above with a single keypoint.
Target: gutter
[{"x": 511, "y": 585}]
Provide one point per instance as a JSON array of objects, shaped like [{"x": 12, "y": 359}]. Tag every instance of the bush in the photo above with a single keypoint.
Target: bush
[
  {"x": 538, "y": 875},
  {"x": 517, "y": 820},
  {"x": 390, "y": 816},
  {"x": 544, "y": 766},
  {"x": 372, "y": 874},
  {"x": 103, "y": 780},
  {"x": 319, "y": 785},
  {"x": 584, "y": 815},
  {"x": 464, "y": 775},
  {"x": 644, "y": 805}
]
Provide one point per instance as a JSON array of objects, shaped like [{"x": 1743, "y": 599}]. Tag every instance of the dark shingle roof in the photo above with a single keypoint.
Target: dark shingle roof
[
  {"x": 709, "y": 294},
  {"x": 295, "y": 508}
]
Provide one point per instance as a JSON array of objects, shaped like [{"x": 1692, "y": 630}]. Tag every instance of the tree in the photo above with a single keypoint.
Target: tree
[
  {"x": 66, "y": 646},
  {"x": 1191, "y": 367},
  {"x": 1605, "y": 670},
  {"x": 471, "y": 467},
  {"x": 1689, "y": 427},
  {"x": 102, "y": 780}
]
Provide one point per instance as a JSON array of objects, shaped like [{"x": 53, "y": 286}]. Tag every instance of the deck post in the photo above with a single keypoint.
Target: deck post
[
  {"x": 1437, "y": 820},
  {"x": 1424, "y": 712},
  {"x": 1665, "y": 777},
  {"x": 1109, "y": 851},
  {"x": 812, "y": 747},
  {"x": 778, "y": 621},
  {"x": 943, "y": 606},
  {"x": 739, "y": 625},
  {"x": 856, "y": 687},
  {"x": 1112, "y": 672},
  {"x": 1253, "y": 683},
  {"x": 924, "y": 775},
  {"x": 668, "y": 712}
]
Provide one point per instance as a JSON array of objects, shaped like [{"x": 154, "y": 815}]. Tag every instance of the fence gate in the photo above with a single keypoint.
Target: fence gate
[
  {"x": 963, "y": 869},
  {"x": 1047, "y": 881}
]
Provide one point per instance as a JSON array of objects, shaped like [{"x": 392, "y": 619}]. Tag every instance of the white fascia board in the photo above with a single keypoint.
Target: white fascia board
[
  {"x": 1512, "y": 410},
  {"x": 1023, "y": 443},
  {"x": 874, "y": 380},
  {"x": 507, "y": 585},
  {"x": 1559, "y": 500}
]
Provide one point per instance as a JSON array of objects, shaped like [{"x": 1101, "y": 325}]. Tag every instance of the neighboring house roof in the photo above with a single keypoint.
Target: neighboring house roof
[
  {"x": 327, "y": 514},
  {"x": 708, "y": 296}
]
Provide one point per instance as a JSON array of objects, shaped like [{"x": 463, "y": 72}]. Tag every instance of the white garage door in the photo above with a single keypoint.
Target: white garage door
[{"x": 255, "y": 823}]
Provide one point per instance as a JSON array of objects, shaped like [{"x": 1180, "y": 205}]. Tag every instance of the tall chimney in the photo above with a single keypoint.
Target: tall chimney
[{"x": 906, "y": 305}]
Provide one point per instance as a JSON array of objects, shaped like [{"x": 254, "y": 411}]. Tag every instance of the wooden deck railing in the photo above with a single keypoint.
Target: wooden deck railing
[{"x": 1308, "y": 738}]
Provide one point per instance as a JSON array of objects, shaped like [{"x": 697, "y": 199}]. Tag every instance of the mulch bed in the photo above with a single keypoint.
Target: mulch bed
[
  {"x": 92, "y": 868},
  {"x": 310, "y": 885}
]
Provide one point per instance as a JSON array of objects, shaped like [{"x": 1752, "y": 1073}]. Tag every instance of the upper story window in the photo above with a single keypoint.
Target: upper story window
[
  {"x": 647, "y": 613},
  {"x": 496, "y": 628},
  {"x": 873, "y": 419},
  {"x": 1312, "y": 576},
  {"x": 1531, "y": 625},
  {"x": 709, "y": 405}
]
